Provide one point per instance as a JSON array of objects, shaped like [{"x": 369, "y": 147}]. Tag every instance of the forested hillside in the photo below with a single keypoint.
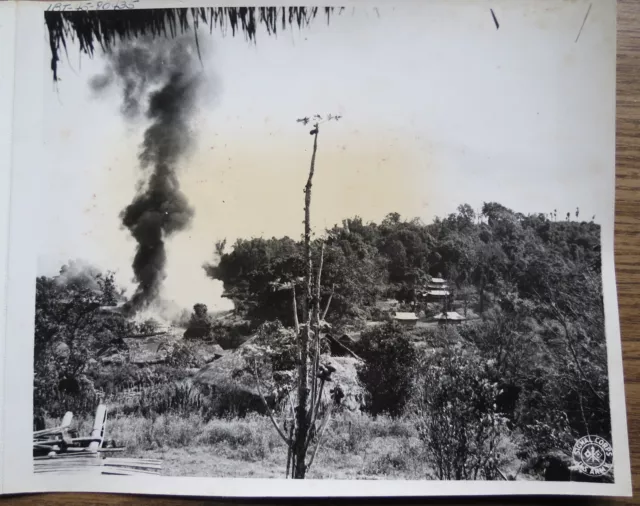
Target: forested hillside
[
  {"x": 505, "y": 391},
  {"x": 496, "y": 253},
  {"x": 534, "y": 282}
]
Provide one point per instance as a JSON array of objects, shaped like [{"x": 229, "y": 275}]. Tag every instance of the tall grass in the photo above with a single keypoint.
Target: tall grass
[
  {"x": 253, "y": 436},
  {"x": 355, "y": 444},
  {"x": 351, "y": 433}
]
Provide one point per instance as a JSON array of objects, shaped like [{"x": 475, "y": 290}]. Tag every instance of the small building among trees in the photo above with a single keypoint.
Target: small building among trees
[
  {"x": 406, "y": 319},
  {"x": 437, "y": 290},
  {"x": 449, "y": 317}
]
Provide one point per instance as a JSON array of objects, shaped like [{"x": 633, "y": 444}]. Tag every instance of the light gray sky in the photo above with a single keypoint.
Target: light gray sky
[{"x": 439, "y": 108}]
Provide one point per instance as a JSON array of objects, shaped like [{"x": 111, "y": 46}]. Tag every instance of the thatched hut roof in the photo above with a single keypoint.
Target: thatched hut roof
[
  {"x": 105, "y": 27},
  {"x": 211, "y": 352},
  {"x": 232, "y": 372},
  {"x": 346, "y": 376}
]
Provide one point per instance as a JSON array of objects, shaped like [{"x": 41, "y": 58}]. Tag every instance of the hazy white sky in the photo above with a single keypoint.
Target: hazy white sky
[{"x": 439, "y": 108}]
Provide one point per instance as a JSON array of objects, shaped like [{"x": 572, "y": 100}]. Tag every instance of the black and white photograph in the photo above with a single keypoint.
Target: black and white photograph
[{"x": 325, "y": 243}]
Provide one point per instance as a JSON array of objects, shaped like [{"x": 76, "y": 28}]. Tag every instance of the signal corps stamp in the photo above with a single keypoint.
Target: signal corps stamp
[{"x": 593, "y": 455}]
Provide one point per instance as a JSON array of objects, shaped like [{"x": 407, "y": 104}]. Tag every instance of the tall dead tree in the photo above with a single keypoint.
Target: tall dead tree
[
  {"x": 305, "y": 417},
  {"x": 306, "y": 412}
]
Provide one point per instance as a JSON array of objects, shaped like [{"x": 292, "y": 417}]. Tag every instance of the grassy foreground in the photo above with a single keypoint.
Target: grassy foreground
[{"x": 354, "y": 447}]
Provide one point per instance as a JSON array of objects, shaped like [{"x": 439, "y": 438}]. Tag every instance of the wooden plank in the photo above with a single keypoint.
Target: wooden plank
[
  {"x": 136, "y": 466},
  {"x": 48, "y": 432},
  {"x": 109, "y": 460},
  {"x": 94, "y": 469},
  {"x": 64, "y": 469},
  {"x": 46, "y": 442},
  {"x": 62, "y": 459},
  {"x": 127, "y": 470},
  {"x": 46, "y": 447},
  {"x": 63, "y": 463},
  {"x": 130, "y": 472},
  {"x": 133, "y": 459},
  {"x": 58, "y": 463},
  {"x": 88, "y": 470},
  {"x": 58, "y": 459},
  {"x": 86, "y": 439},
  {"x": 98, "y": 428},
  {"x": 66, "y": 423},
  {"x": 78, "y": 455}
]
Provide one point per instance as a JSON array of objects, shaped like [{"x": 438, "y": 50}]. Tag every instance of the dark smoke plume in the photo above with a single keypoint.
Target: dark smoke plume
[{"x": 160, "y": 79}]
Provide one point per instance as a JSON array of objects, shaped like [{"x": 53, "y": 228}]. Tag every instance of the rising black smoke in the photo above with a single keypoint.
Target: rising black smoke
[{"x": 160, "y": 79}]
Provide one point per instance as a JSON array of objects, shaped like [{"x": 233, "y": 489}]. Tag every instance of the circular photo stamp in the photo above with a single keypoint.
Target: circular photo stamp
[{"x": 593, "y": 455}]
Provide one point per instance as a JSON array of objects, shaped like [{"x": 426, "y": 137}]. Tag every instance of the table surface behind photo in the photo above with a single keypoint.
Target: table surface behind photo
[{"x": 627, "y": 243}]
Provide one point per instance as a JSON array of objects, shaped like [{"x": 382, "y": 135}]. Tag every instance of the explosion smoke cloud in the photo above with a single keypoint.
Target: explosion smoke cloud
[{"x": 161, "y": 80}]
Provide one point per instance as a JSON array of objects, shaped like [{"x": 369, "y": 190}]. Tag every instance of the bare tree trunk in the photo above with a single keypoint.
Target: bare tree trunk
[
  {"x": 326, "y": 308},
  {"x": 466, "y": 295},
  {"x": 296, "y": 323},
  {"x": 317, "y": 292},
  {"x": 302, "y": 430},
  {"x": 316, "y": 323}
]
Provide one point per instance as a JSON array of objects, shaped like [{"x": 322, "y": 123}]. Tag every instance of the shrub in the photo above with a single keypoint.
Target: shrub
[
  {"x": 402, "y": 459},
  {"x": 183, "y": 354},
  {"x": 389, "y": 362},
  {"x": 387, "y": 464},
  {"x": 457, "y": 420},
  {"x": 173, "y": 398},
  {"x": 230, "y": 336},
  {"x": 200, "y": 323}
]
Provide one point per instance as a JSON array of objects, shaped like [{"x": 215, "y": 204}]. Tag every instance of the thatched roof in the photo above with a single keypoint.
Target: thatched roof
[
  {"x": 103, "y": 28},
  {"x": 233, "y": 372},
  {"x": 211, "y": 352},
  {"x": 449, "y": 316}
]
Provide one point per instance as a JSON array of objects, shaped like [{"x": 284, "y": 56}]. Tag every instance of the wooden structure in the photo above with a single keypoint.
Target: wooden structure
[
  {"x": 406, "y": 319},
  {"x": 437, "y": 284},
  {"x": 449, "y": 317},
  {"x": 59, "y": 450},
  {"x": 437, "y": 290}
]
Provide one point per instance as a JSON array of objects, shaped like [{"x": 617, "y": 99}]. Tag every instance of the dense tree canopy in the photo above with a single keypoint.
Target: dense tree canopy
[
  {"x": 521, "y": 379},
  {"x": 494, "y": 252},
  {"x": 535, "y": 283},
  {"x": 71, "y": 330}
]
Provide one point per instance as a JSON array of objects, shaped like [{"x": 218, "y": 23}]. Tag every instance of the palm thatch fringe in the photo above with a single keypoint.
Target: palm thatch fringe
[{"x": 106, "y": 26}]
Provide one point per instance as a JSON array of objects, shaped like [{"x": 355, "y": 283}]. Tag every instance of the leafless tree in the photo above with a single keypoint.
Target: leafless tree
[{"x": 302, "y": 431}]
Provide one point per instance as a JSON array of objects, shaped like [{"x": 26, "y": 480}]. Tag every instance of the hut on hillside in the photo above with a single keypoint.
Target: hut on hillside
[
  {"x": 449, "y": 317},
  {"x": 406, "y": 319}
]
